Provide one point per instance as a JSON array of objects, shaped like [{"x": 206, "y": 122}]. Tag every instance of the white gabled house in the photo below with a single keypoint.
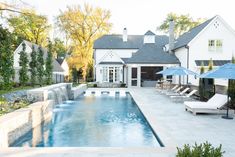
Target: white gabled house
[
  {"x": 58, "y": 72},
  {"x": 135, "y": 59},
  {"x": 214, "y": 39}
]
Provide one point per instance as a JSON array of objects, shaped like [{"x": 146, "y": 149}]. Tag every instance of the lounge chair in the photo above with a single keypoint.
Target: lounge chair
[
  {"x": 183, "y": 97},
  {"x": 179, "y": 92},
  {"x": 174, "y": 91},
  {"x": 211, "y": 106},
  {"x": 162, "y": 91}
]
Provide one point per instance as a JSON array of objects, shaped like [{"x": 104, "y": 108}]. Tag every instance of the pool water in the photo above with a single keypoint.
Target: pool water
[{"x": 93, "y": 122}]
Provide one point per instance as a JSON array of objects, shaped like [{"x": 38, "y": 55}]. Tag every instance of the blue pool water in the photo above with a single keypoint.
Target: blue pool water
[{"x": 93, "y": 122}]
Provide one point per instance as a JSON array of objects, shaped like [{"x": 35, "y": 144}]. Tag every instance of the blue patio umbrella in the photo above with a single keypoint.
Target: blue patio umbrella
[
  {"x": 177, "y": 71},
  {"x": 180, "y": 71},
  {"x": 227, "y": 71}
]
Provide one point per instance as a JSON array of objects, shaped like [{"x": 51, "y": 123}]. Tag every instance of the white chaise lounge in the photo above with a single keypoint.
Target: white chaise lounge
[
  {"x": 179, "y": 92},
  {"x": 211, "y": 106},
  {"x": 183, "y": 97}
]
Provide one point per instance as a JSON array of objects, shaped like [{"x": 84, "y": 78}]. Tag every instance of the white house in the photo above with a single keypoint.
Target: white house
[
  {"x": 64, "y": 65},
  {"x": 58, "y": 72},
  {"x": 214, "y": 39},
  {"x": 135, "y": 59}
]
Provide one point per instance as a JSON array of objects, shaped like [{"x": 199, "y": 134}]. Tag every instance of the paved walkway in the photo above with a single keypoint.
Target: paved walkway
[
  {"x": 171, "y": 122},
  {"x": 178, "y": 127}
]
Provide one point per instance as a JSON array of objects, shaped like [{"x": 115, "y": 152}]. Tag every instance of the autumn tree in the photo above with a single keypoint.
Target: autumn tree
[
  {"x": 183, "y": 23},
  {"x": 33, "y": 67},
  {"x": 83, "y": 25},
  {"x": 40, "y": 66},
  {"x": 49, "y": 66},
  {"x": 23, "y": 63},
  {"x": 30, "y": 26},
  {"x": 59, "y": 48}
]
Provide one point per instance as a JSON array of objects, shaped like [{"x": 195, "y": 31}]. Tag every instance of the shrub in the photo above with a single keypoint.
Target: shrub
[
  {"x": 123, "y": 85},
  {"x": 231, "y": 88},
  {"x": 95, "y": 85},
  {"x": 201, "y": 84},
  {"x": 202, "y": 150},
  {"x": 23, "y": 63}
]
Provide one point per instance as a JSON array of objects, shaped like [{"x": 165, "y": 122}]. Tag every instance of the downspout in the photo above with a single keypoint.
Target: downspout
[{"x": 187, "y": 47}]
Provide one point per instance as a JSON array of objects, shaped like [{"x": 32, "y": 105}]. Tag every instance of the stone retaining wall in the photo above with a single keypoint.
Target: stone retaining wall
[
  {"x": 15, "y": 124},
  {"x": 77, "y": 91}
]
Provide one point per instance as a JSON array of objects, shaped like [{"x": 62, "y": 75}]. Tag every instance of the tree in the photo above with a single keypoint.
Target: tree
[
  {"x": 201, "y": 83},
  {"x": 40, "y": 66},
  {"x": 58, "y": 48},
  {"x": 6, "y": 59},
  {"x": 23, "y": 63},
  {"x": 210, "y": 90},
  {"x": 231, "y": 87},
  {"x": 33, "y": 67},
  {"x": 183, "y": 23},
  {"x": 75, "y": 75},
  {"x": 30, "y": 26},
  {"x": 49, "y": 66},
  {"x": 83, "y": 26}
]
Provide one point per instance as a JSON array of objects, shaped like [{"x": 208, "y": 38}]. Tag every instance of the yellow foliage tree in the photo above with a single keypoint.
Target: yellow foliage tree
[{"x": 83, "y": 25}]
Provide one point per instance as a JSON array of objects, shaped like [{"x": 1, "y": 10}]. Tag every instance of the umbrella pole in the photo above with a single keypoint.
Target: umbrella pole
[{"x": 227, "y": 116}]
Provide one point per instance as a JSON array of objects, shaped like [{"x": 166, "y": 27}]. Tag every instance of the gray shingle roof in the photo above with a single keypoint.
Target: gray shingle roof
[
  {"x": 185, "y": 38},
  {"x": 149, "y": 33},
  {"x": 152, "y": 54},
  {"x": 56, "y": 65},
  {"x": 133, "y": 42}
]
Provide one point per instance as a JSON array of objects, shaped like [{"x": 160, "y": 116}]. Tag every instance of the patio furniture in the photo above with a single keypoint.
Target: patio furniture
[
  {"x": 183, "y": 97},
  {"x": 211, "y": 106},
  {"x": 179, "y": 92},
  {"x": 227, "y": 71},
  {"x": 174, "y": 91}
]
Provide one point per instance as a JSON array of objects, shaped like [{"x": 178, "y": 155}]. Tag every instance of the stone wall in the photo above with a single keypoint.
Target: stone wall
[
  {"x": 15, "y": 124},
  {"x": 77, "y": 91}
]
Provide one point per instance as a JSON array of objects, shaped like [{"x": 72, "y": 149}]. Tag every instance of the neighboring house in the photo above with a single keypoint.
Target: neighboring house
[
  {"x": 64, "y": 65},
  {"x": 135, "y": 59},
  {"x": 58, "y": 72}
]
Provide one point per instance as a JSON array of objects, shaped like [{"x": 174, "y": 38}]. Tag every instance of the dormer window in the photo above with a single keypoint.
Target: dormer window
[{"x": 149, "y": 37}]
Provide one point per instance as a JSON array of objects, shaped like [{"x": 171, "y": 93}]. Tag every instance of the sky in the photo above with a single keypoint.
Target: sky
[{"x": 138, "y": 16}]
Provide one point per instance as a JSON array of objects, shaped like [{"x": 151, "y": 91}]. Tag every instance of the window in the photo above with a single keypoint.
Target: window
[
  {"x": 117, "y": 72},
  {"x": 215, "y": 45},
  {"x": 105, "y": 74}
]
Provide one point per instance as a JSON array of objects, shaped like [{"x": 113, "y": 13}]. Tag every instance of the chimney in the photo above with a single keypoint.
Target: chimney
[
  {"x": 171, "y": 36},
  {"x": 124, "y": 35}
]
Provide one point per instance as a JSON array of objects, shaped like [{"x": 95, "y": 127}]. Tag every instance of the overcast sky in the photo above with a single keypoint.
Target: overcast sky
[{"x": 142, "y": 15}]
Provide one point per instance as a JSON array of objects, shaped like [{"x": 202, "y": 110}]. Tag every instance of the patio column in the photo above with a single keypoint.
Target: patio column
[
  {"x": 128, "y": 76},
  {"x": 138, "y": 76}
]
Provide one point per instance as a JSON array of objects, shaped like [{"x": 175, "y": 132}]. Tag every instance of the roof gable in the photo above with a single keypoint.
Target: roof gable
[
  {"x": 187, "y": 37},
  {"x": 110, "y": 57}
]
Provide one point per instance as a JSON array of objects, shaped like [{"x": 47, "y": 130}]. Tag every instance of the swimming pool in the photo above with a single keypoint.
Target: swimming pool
[{"x": 91, "y": 121}]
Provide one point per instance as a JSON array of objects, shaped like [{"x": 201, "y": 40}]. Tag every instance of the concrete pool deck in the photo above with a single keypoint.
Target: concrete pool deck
[{"x": 173, "y": 125}]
